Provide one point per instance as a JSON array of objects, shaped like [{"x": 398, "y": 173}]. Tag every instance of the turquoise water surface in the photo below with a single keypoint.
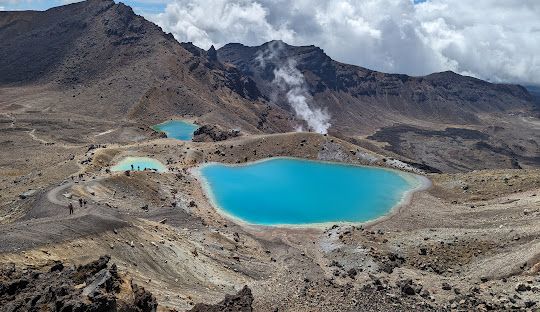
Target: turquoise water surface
[
  {"x": 139, "y": 164},
  {"x": 283, "y": 191},
  {"x": 177, "y": 129}
]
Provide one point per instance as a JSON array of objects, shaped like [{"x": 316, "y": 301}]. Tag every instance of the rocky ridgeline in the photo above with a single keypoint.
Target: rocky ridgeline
[
  {"x": 92, "y": 287},
  {"x": 241, "y": 302},
  {"x": 520, "y": 292},
  {"x": 95, "y": 286}
]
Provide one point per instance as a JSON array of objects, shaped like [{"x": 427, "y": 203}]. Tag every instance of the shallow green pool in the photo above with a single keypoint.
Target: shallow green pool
[{"x": 139, "y": 164}]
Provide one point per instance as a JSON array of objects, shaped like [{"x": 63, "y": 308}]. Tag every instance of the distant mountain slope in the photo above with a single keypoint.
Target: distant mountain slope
[
  {"x": 108, "y": 61},
  {"x": 99, "y": 58},
  {"x": 358, "y": 98},
  {"x": 535, "y": 93}
]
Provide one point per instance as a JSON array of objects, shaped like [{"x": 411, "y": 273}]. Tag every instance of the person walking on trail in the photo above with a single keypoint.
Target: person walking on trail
[
  {"x": 70, "y": 206},
  {"x": 80, "y": 202}
]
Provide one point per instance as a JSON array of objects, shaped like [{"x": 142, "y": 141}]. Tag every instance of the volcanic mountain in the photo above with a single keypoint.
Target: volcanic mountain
[
  {"x": 443, "y": 120},
  {"x": 358, "y": 98},
  {"x": 97, "y": 59}
]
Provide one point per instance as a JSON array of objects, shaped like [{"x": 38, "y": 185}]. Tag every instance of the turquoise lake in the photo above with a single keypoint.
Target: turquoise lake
[
  {"x": 139, "y": 164},
  {"x": 177, "y": 129},
  {"x": 284, "y": 191}
]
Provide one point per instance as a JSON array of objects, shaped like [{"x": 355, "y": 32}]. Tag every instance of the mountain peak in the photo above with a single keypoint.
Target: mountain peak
[{"x": 212, "y": 54}]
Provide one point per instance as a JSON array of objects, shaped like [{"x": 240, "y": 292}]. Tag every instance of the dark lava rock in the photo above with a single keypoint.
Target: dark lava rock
[
  {"x": 408, "y": 288},
  {"x": 522, "y": 287},
  {"x": 241, "y": 302},
  {"x": 529, "y": 303},
  {"x": 142, "y": 299},
  {"x": 58, "y": 266},
  {"x": 446, "y": 286},
  {"x": 90, "y": 287},
  {"x": 391, "y": 261},
  {"x": 213, "y": 133},
  {"x": 352, "y": 273}
]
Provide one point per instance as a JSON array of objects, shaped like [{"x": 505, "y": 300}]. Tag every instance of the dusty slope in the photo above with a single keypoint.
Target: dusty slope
[
  {"x": 161, "y": 231},
  {"x": 97, "y": 58},
  {"x": 359, "y": 99}
]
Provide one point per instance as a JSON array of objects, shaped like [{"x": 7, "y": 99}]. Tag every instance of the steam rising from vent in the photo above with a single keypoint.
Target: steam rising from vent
[{"x": 290, "y": 80}]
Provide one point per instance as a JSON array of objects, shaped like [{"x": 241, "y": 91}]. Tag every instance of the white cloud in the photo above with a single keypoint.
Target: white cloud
[
  {"x": 219, "y": 22},
  {"x": 490, "y": 39}
]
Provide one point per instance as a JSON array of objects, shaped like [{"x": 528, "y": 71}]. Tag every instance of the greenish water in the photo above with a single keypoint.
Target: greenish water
[
  {"x": 281, "y": 191},
  {"x": 139, "y": 164},
  {"x": 177, "y": 129}
]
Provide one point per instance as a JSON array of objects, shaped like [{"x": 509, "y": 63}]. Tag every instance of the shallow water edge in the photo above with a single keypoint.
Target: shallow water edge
[{"x": 417, "y": 182}]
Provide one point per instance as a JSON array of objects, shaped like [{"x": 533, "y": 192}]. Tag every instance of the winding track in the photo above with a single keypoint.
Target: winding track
[{"x": 48, "y": 221}]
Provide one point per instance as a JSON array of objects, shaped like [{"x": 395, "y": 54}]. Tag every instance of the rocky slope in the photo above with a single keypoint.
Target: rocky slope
[
  {"x": 97, "y": 58},
  {"x": 358, "y": 98},
  {"x": 444, "y": 120},
  {"x": 96, "y": 286},
  {"x": 97, "y": 66}
]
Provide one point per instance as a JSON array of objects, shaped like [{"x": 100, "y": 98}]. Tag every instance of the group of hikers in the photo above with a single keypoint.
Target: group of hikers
[{"x": 82, "y": 202}]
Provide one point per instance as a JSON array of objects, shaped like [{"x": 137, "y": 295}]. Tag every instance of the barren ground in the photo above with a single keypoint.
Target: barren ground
[{"x": 469, "y": 242}]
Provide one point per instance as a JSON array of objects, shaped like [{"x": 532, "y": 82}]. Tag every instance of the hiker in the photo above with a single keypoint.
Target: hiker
[
  {"x": 80, "y": 202},
  {"x": 70, "y": 206},
  {"x": 132, "y": 167}
]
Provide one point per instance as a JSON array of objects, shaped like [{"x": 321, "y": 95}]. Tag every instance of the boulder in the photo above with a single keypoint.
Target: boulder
[
  {"x": 27, "y": 194},
  {"x": 241, "y": 302},
  {"x": 520, "y": 287}
]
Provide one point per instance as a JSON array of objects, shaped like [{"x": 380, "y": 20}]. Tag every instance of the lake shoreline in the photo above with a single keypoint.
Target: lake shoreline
[{"x": 418, "y": 182}]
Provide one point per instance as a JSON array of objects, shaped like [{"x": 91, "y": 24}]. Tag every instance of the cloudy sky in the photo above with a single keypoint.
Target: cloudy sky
[{"x": 496, "y": 40}]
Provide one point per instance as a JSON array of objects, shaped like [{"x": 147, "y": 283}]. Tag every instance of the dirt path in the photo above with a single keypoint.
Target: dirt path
[
  {"x": 105, "y": 132},
  {"x": 53, "y": 194},
  {"x": 35, "y": 138},
  {"x": 48, "y": 222}
]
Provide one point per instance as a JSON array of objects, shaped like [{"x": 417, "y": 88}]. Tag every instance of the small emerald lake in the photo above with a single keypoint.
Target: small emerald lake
[
  {"x": 288, "y": 191},
  {"x": 139, "y": 164},
  {"x": 177, "y": 129}
]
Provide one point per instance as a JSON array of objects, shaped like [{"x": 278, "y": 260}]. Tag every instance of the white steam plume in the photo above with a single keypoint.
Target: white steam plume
[{"x": 290, "y": 80}]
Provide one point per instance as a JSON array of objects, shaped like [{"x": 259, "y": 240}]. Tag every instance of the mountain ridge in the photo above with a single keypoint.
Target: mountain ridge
[
  {"x": 98, "y": 59},
  {"x": 123, "y": 64},
  {"x": 423, "y": 97}
]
